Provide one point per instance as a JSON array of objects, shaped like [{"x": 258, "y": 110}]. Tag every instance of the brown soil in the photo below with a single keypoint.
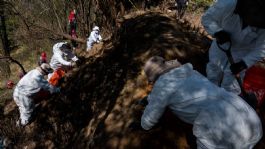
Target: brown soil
[{"x": 97, "y": 102}]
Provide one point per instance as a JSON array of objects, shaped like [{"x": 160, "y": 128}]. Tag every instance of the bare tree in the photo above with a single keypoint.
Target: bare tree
[
  {"x": 4, "y": 39},
  {"x": 5, "y": 69},
  {"x": 47, "y": 20}
]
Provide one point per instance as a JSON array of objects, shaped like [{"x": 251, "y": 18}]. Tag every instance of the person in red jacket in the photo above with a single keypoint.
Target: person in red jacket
[
  {"x": 72, "y": 26},
  {"x": 43, "y": 58},
  {"x": 72, "y": 22}
]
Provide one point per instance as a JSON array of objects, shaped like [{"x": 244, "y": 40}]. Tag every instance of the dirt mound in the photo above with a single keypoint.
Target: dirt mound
[{"x": 96, "y": 104}]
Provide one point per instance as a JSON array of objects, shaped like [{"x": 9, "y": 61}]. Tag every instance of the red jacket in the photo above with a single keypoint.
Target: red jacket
[{"x": 71, "y": 17}]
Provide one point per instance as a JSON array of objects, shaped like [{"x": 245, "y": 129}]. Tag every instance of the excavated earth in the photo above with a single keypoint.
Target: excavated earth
[{"x": 97, "y": 103}]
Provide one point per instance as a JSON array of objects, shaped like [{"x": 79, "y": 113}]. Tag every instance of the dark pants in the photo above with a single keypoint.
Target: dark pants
[
  {"x": 147, "y": 4},
  {"x": 72, "y": 33}
]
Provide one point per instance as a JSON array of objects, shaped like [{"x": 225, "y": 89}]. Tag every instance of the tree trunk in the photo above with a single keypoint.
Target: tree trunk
[
  {"x": 4, "y": 38},
  {"x": 5, "y": 43}
]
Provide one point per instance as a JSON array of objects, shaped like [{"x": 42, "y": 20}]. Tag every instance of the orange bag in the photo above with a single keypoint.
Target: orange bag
[
  {"x": 56, "y": 77},
  {"x": 254, "y": 82}
]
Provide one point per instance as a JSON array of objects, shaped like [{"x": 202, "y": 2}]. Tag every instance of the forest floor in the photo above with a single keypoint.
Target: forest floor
[{"x": 97, "y": 101}]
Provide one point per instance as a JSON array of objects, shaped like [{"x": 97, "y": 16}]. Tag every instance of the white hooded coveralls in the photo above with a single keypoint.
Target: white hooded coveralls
[
  {"x": 93, "y": 38},
  {"x": 220, "y": 119},
  {"x": 248, "y": 44},
  {"x": 26, "y": 88},
  {"x": 57, "y": 60}
]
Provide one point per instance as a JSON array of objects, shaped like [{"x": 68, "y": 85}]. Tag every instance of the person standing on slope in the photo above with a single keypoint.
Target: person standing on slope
[{"x": 93, "y": 38}]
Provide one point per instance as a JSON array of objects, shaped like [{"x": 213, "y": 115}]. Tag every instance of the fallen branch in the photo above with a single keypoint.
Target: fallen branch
[
  {"x": 67, "y": 36},
  {"x": 14, "y": 61}
]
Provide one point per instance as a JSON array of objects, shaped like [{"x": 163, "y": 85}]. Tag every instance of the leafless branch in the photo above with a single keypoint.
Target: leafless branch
[{"x": 58, "y": 20}]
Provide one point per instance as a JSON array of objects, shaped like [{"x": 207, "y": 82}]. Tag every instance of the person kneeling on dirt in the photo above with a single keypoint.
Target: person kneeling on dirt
[
  {"x": 220, "y": 119},
  {"x": 93, "y": 38},
  {"x": 62, "y": 60},
  {"x": 31, "y": 88}
]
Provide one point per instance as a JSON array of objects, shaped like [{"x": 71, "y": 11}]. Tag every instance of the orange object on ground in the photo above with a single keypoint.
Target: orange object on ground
[
  {"x": 254, "y": 82},
  {"x": 56, "y": 77}
]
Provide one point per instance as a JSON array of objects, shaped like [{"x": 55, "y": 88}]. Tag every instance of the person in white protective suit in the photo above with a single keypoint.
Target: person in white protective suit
[
  {"x": 62, "y": 56},
  {"x": 93, "y": 38},
  {"x": 240, "y": 23},
  {"x": 31, "y": 87},
  {"x": 220, "y": 119},
  {"x": 62, "y": 60}
]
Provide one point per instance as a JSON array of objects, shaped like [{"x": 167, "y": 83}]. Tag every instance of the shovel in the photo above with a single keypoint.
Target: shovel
[{"x": 250, "y": 98}]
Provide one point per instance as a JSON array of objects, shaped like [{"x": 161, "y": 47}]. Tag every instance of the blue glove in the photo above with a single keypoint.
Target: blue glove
[{"x": 238, "y": 67}]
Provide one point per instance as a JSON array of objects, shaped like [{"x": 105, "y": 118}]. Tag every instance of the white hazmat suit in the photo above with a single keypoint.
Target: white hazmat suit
[
  {"x": 220, "y": 119},
  {"x": 27, "y": 87},
  {"x": 57, "y": 60},
  {"x": 93, "y": 38}
]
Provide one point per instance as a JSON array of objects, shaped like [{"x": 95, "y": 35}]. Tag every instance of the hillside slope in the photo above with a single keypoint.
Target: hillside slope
[{"x": 97, "y": 102}]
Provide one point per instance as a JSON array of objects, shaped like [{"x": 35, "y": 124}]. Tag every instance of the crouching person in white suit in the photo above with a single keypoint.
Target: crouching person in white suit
[
  {"x": 31, "y": 87},
  {"x": 220, "y": 119},
  {"x": 62, "y": 60},
  {"x": 93, "y": 38},
  {"x": 62, "y": 56}
]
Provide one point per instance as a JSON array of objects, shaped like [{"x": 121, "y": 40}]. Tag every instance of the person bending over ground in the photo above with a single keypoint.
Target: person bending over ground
[
  {"x": 220, "y": 119},
  {"x": 30, "y": 89},
  {"x": 62, "y": 60}
]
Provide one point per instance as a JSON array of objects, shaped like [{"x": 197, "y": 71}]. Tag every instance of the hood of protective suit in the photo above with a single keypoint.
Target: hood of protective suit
[
  {"x": 56, "y": 48},
  {"x": 157, "y": 65},
  {"x": 96, "y": 28}
]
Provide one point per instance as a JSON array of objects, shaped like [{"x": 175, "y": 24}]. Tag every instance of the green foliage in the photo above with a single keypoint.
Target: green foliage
[
  {"x": 197, "y": 6},
  {"x": 203, "y": 3}
]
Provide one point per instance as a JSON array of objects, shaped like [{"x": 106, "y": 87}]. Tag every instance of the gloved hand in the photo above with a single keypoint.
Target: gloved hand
[
  {"x": 238, "y": 67},
  {"x": 78, "y": 63},
  {"x": 57, "y": 89},
  {"x": 74, "y": 59},
  {"x": 139, "y": 107},
  {"x": 73, "y": 64},
  {"x": 222, "y": 37},
  {"x": 136, "y": 126}
]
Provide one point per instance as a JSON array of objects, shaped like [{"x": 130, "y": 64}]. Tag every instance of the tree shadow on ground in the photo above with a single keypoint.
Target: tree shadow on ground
[
  {"x": 96, "y": 104},
  {"x": 77, "y": 116},
  {"x": 140, "y": 38}
]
